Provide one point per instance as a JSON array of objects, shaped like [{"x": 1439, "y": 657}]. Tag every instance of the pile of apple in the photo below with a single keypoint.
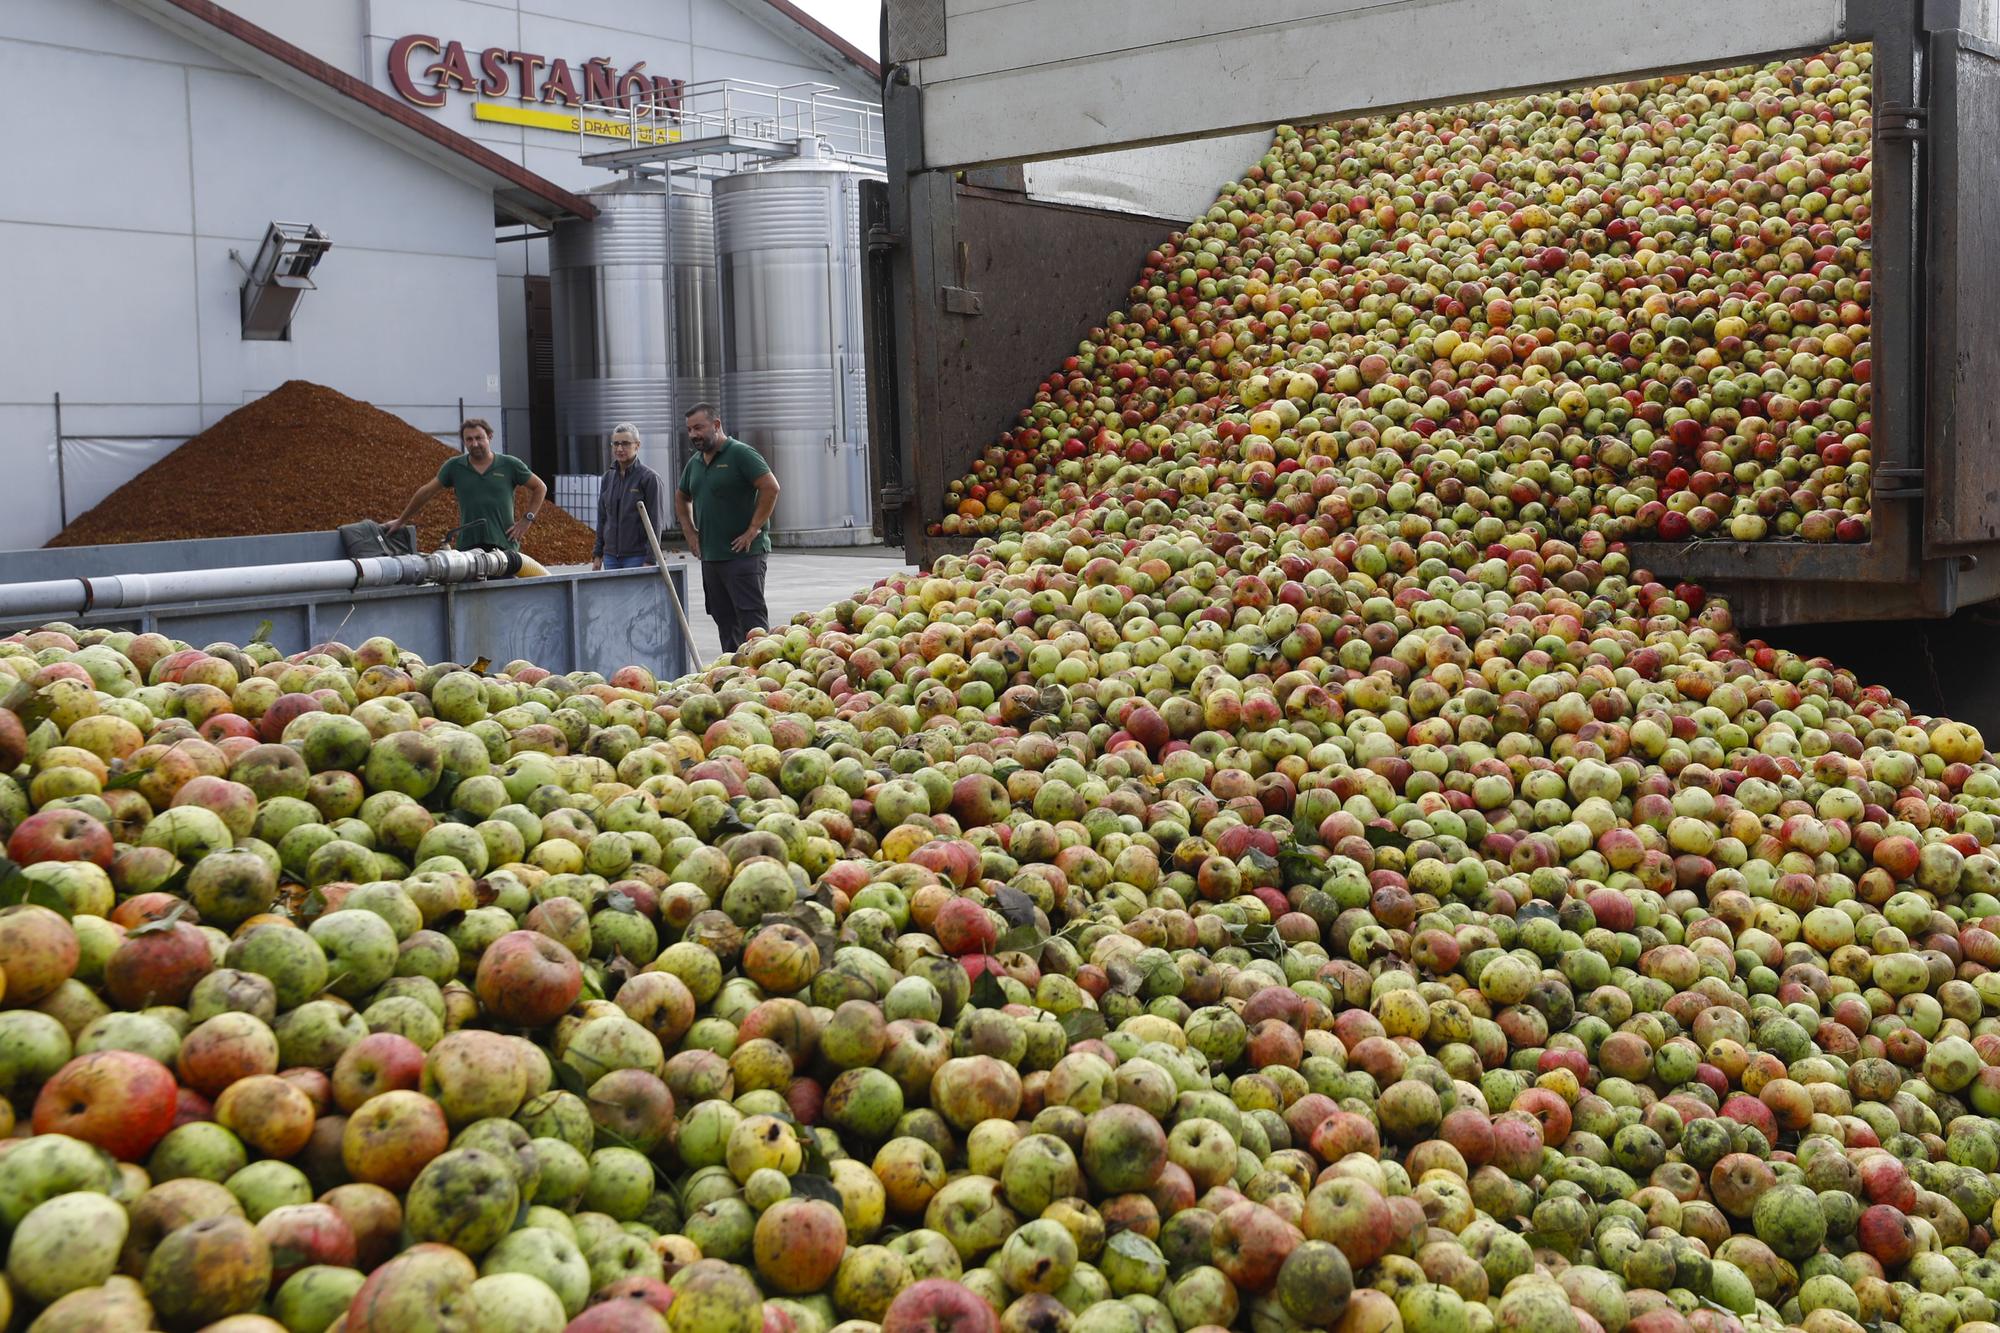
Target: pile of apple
[
  {"x": 1640, "y": 311},
  {"x": 1303, "y": 876},
  {"x": 1192, "y": 928}
]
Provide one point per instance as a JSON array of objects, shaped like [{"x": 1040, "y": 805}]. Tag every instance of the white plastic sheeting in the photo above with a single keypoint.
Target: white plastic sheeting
[
  {"x": 95, "y": 467},
  {"x": 91, "y": 468}
]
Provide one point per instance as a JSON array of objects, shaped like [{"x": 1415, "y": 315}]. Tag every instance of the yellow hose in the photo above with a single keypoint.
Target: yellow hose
[{"x": 530, "y": 567}]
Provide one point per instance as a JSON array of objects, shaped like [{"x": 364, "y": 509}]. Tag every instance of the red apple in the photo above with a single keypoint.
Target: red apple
[
  {"x": 121, "y": 1101},
  {"x": 939, "y": 1305}
]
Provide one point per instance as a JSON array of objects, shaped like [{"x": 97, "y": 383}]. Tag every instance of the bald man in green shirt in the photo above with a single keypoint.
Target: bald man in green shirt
[{"x": 725, "y": 498}]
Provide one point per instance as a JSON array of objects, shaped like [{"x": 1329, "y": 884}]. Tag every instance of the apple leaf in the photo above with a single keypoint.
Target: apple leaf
[
  {"x": 1263, "y": 941},
  {"x": 1163, "y": 973},
  {"x": 569, "y": 1079},
  {"x": 1260, "y": 861},
  {"x": 161, "y": 924},
  {"x": 1073, "y": 928},
  {"x": 821, "y": 1188},
  {"x": 125, "y": 777},
  {"x": 35, "y": 709},
  {"x": 1133, "y": 1246},
  {"x": 617, "y": 972},
  {"x": 1015, "y": 907},
  {"x": 987, "y": 992},
  {"x": 1084, "y": 1025},
  {"x": 1379, "y": 836},
  {"x": 479, "y": 667},
  {"x": 812, "y": 1161},
  {"x": 1019, "y": 939},
  {"x": 802, "y": 917},
  {"x": 620, "y": 902},
  {"x": 14, "y": 885},
  {"x": 262, "y": 634},
  {"x": 1300, "y": 866},
  {"x": 1125, "y": 977}
]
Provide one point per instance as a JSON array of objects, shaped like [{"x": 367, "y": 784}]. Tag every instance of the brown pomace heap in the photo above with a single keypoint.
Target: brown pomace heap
[{"x": 303, "y": 458}]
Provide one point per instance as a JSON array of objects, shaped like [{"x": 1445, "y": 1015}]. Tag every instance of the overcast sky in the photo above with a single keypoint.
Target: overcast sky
[{"x": 859, "y": 21}]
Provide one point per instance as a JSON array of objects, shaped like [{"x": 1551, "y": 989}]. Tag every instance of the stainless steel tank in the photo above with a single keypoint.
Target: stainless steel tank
[
  {"x": 789, "y": 238},
  {"x": 608, "y": 287},
  {"x": 622, "y": 352},
  {"x": 697, "y": 313}
]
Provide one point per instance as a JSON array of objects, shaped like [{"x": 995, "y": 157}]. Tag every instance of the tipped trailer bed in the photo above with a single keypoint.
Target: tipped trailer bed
[{"x": 977, "y": 289}]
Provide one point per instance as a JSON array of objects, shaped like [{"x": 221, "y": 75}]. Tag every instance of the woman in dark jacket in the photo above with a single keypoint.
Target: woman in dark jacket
[{"x": 621, "y": 535}]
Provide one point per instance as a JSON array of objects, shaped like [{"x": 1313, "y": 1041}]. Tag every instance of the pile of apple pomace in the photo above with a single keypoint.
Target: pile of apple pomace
[{"x": 1250, "y": 893}]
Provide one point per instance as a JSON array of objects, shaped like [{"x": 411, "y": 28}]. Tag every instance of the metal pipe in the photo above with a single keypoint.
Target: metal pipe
[{"x": 54, "y": 597}]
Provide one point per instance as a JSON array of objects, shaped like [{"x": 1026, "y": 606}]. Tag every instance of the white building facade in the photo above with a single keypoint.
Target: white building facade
[{"x": 432, "y": 142}]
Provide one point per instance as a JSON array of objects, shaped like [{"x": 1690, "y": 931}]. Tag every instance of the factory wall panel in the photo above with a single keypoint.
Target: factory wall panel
[
  {"x": 102, "y": 29},
  {"x": 55, "y": 165},
  {"x": 116, "y": 232},
  {"x": 384, "y": 199},
  {"x": 330, "y": 29}
]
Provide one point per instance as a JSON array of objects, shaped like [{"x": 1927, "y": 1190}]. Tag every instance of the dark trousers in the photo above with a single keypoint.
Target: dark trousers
[{"x": 734, "y": 591}]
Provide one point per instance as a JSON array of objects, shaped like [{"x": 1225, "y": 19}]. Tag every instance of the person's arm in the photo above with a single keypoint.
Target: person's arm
[
  {"x": 684, "y": 505},
  {"x": 538, "y": 491},
  {"x": 767, "y": 500},
  {"x": 425, "y": 494},
  {"x": 656, "y": 505},
  {"x": 603, "y": 510}
]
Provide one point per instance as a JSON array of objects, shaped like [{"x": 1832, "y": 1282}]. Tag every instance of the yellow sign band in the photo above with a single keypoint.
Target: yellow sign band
[{"x": 504, "y": 113}]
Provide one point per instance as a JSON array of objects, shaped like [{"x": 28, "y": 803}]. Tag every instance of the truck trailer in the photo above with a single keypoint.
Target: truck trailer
[{"x": 977, "y": 289}]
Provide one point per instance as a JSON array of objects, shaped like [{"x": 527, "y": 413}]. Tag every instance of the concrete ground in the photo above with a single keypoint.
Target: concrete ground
[{"x": 798, "y": 581}]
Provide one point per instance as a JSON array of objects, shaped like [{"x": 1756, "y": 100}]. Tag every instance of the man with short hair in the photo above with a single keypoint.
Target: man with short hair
[
  {"x": 726, "y": 497},
  {"x": 483, "y": 483},
  {"x": 621, "y": 533}
]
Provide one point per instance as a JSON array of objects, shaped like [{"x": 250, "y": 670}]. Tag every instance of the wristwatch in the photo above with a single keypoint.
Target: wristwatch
[{"x": 529, "y": 516}]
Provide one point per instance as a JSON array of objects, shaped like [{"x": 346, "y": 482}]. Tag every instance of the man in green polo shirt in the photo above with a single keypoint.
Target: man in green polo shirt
[
  {"x": 725, "y": 500},
  {"x": 483, "y": 483}
]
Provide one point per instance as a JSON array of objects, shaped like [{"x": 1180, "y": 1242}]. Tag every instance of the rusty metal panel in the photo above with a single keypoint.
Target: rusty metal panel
[
  {"x": 1963, "y": 492},
  {"x": 1044, "y": 274}
]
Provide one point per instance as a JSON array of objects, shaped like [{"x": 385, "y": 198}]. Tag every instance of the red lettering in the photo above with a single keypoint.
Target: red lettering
[
  {"x": 600, "y": 81},
  {"x": 493, "y": 64},
  {"x": 560, "y": 85},
  {"x": 399, "y": 70},
  {"x": 527, "y": 62},
  {"x": 452, "y": 69},
  {"x": 635, "y": 90}
]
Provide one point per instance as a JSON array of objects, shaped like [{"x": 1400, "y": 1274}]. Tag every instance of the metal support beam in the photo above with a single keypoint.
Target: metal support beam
[{"x": 1014, "y": 86}]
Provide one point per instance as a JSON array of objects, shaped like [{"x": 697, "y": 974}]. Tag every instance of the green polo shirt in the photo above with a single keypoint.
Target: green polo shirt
[
  {"x": 485, "y": 500},
  {"x": 724, "y": 495}
]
